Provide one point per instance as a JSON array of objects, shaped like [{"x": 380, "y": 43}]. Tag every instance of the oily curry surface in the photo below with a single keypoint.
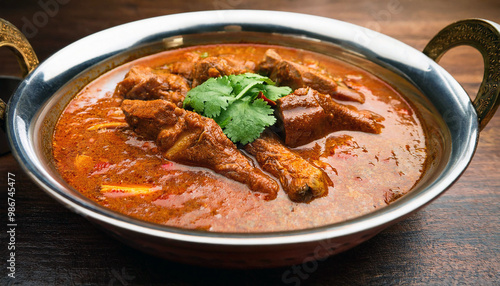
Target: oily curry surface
[{"x": 345, "y": 143}]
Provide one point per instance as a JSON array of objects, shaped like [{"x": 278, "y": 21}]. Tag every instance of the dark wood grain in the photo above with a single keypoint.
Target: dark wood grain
[{"x": 453, "y": 241}]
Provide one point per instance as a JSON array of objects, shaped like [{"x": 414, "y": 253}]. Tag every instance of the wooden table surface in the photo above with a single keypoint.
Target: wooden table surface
[{"x": 453, "y": 241}]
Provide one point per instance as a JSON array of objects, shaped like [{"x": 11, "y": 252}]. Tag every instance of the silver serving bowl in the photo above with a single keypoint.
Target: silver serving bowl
[{"x": 453, "y": 121}]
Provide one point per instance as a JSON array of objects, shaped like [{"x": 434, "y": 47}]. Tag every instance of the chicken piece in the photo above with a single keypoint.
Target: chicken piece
[
  {"x": 307, "y": 115},
  {"x": 189, "y": 138},
  {"x": 215, "y": 67},
  {"x": 301, "y": 180},
  {"x": 294, "y": 75},
  {"x": 145, "y": 83}
]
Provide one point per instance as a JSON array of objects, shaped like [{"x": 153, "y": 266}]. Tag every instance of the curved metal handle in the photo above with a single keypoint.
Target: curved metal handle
[
  {"x": 13, "y": 39},
  {"x": 485, "y": 37}
]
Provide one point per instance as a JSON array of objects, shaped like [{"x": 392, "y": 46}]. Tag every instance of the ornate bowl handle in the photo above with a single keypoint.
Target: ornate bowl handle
[
  {"x": 13, "y": 39},
  {"x": 485, "y": 37}
]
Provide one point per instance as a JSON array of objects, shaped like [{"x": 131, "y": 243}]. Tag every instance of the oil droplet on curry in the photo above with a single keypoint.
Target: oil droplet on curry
[{"x": 344, "y": 142}]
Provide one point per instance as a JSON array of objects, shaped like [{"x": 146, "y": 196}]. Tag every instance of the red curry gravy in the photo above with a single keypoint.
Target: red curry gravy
[{"x": 93, "y": 147}]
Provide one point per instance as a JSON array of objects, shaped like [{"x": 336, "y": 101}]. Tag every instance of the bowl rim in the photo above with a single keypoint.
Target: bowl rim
[{"x": 61, "y": 67}]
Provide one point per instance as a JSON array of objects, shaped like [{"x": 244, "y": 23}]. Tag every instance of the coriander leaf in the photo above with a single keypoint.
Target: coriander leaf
[
  {"x": 232, "y": 101},
  {"x": 259, "y": 83},
  {"x": 247, "y": 120},
  {"x": 241, "y": 81},
  {"x": 245, "y": 84},
  {"x": 210, "y": 97},
  {"x": 274, "y": 92}
]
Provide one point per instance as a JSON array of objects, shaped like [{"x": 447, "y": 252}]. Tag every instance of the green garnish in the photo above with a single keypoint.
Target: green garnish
[{"x": 234, "y": 103}]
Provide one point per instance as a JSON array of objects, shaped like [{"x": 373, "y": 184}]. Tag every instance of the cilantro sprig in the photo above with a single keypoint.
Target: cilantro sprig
[{"x": 234, "y": 102}]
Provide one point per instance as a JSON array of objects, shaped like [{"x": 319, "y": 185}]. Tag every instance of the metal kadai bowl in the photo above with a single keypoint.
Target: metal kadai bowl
[{"x": 452, "y": 120}]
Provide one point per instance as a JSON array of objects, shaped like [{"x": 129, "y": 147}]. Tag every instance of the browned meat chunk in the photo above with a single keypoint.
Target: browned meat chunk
[
  {"x": 145, "y": 83},
  {"x": 185, "y": 67},
  {"x": 301, "y": 180},
  {"x": 198, "y": 69},
  {"x": 307, "y": 115},
  {"x": 270, "y": 62},
  {"x": 215, "y": 67},
  {"x": 189, "y": 138},
  {"x": 294, "y": 75}
]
